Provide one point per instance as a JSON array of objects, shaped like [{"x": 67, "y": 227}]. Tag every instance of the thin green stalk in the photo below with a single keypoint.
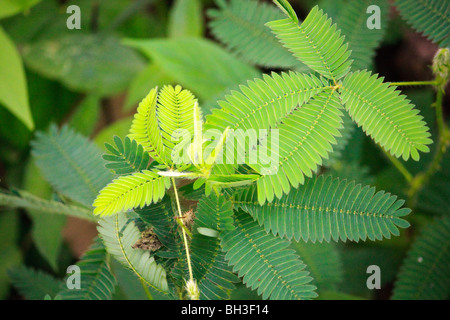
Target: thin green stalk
[
  {"x": 400, "y": 167},
  {"x": 422, "y": 179},
  {"x": 188, "y": 256},
  {"x": 147, "y": 291},
  {"x": 414, "y": 83}
]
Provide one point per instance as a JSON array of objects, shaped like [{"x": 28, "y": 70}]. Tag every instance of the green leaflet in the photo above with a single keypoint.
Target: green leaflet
[
  {"x": 432, "y": 17},
  {"x": 160, "y": 119},
  {"x": 265, "y": 262},
  {"x": 214, "y": 212},
  {"x": 132, "y": 191},
  {"x": 304, "y": 139},
  {"x": 327, "y": 208},
  {"x": 162, "y": 218},
  {"x": 240, "y": 25},
  {"x": 97, "y": 280},
  {"x": 384, "y": 114},
  {"x": 424, "y": 274},
  {"x": 34, "y": 284},
  {"x": 70, "y": 163},
  {"x": 126, "y": 156},
  {"x": 215, "y": 277},
  {"x": 320, "y": 48},
  {"x": 119, "y": 233},
  {"x": 175, "y": 113},
  {"x": 262, "y": 104}
]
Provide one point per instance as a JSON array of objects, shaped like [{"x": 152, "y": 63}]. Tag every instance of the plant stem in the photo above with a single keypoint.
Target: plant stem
[
  {"x": 188, "y": 256},
  {"x": 401, "y": 168},
  {"x": 147, "y": 292},
  {"x": 414, "y": 83},
  {"x": 444, "y": 139}
]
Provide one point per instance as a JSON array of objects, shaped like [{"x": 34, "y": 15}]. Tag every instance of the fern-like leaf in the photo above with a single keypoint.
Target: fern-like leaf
[
  {"x": 214, "y": 212},
  {"x": 325, "y": 208},
  {"x": 304, "y": 138},
  {"x": 262, "y": 104},
  {"x": 316, "y": 42},
  {"x": 214, "y": 276},
  {"x": 386, "y": 115},
  {"x": 26, "y": 200},
  {"x": 265, "y": 262},
  {"x": 175, "y": 113},
  {"x": 162, "y": 218},
  {"x": 240, "y": 25},
  {"x": 432, "y": 17},
  {"x": 132, "y": 191},
  {"x": 161, "y": 117},
  {"x": 71, "y": 163},
  {"x": 126, "y": 157},
  {"x": 352, "y": 21},
  {"x": 145, "y": 128},
  {"x": 119, "y": 234},
  {"x": 97, "y": 280},
  {"x": 425, "y": 271},
  {"x": 34, "y": 284}
]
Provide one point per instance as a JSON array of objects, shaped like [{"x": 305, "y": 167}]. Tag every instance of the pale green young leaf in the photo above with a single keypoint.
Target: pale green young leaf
[
  {"x": 132, "y": 191},
  {"x": 322, "y": 49}
]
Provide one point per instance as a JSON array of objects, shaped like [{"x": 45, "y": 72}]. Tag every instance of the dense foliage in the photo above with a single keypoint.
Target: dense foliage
[{"x": 353, "y": 170}]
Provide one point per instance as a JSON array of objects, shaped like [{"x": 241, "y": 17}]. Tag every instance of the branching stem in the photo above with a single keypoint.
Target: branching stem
[{"x": 186, "y": 245}]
